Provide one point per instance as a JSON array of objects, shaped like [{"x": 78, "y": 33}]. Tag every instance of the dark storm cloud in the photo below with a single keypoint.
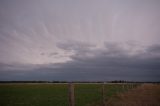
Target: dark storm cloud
[
  {"x": 154, "y": 49},
  {"x": 111, "y": 63},
  {"x": 114, "y": 56},
  {"x": 78, "y": 40},
  {"x": 115, "y": 61}
]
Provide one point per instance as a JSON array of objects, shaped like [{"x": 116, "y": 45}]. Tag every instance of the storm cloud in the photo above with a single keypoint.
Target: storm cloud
[
  {"x": 80, "y": 40},
  {"x": 89, "y": 63}
]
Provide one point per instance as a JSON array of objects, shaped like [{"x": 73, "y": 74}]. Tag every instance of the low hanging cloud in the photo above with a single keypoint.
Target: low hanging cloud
[
  {"x": 114, "y": 55},
  {"x": 115, "y": 61}
]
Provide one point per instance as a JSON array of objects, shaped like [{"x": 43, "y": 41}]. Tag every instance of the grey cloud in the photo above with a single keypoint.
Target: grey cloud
[
  {"x": 75, "y": 45},
  {"x": 53, "y": 54},
  {"x": 154, "y": 49},
  {"x": 30, "y": 30},
  {"x": 49, "y": 54},
  {"x": 125, "y": 65},
  {"x": 114, "y": 55},
  {"x": 100, "y": 66},
  {"x": 25, "y": 26},
  {"x": 42, "y": 53}
]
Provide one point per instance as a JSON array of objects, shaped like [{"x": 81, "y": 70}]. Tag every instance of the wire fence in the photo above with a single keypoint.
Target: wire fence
[{"x": 122, "y": 88}]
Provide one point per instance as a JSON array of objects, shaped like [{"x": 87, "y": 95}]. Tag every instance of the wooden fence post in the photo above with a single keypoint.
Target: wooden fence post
[
  {"x": 123, "y": 87},
  {"x": 71, "y": 95},
  {"x": 103, "y": 94}
]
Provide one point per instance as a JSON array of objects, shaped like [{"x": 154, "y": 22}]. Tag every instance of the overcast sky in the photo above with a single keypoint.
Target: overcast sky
[{"x": 86, "y": 40}]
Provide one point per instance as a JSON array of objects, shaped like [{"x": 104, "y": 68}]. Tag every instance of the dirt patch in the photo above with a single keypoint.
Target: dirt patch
[{"x": 144, "y": 95}]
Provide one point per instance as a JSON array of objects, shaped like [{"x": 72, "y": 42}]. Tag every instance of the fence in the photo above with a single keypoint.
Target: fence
[{"x": 71, "y": 87}]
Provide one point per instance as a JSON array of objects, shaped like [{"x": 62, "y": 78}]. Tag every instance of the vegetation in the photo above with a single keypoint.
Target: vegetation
[
  {"x": 56, "y": 94},
  {"x": 145, "y": 95},
  {"x": 33, "y": 95}
]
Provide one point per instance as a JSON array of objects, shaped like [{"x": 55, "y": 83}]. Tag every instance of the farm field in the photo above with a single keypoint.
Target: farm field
[
  {"x": 57, "y": 94},
  {"x": 145, "y": 95}
]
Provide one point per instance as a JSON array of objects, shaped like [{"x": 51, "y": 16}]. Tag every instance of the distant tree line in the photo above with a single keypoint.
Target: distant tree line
[
  {"x": 115, "y": 81},
  {"x": 123, "y": 81},
  {"x": 33, "y": 82}
]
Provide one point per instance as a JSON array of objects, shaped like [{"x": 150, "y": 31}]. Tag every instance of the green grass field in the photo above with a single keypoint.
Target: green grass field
[{"x": 55, "y": 94}]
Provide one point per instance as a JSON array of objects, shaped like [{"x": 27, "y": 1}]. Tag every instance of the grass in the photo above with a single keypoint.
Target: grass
[
  {"x": 55, "y": 94},
  {"x": 145, "y": 95},
  {"x": 87, "y": 93},
  {"x": 33, "y": 95}
]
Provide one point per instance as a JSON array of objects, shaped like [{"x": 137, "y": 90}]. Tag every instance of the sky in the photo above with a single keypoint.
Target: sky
[{"x": 80, "y": 40}]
